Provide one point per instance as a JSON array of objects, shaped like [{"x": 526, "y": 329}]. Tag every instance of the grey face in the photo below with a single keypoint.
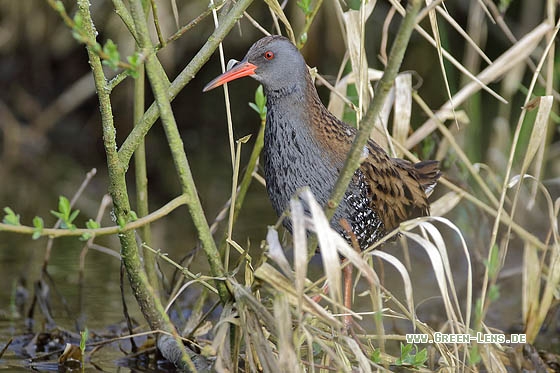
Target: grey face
[
  {"x": 279, "y": 63},
  {"x": 274, "y": 61}
]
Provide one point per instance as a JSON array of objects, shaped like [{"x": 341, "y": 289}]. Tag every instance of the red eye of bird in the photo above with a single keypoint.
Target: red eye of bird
[{"x": 268, "y": 55}]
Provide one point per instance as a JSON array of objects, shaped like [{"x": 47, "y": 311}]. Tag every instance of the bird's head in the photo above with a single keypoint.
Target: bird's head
[{"x": 273, "y": 61}]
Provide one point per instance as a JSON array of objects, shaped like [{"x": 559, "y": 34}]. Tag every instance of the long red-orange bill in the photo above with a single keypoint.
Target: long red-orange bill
[{"x": 239, "y": 71}]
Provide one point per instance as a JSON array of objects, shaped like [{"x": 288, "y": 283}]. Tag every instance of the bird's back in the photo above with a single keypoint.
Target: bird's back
[{"x": 305, "y": 145}]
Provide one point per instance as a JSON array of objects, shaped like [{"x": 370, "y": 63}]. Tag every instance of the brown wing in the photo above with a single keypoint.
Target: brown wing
[{"x": 397, "y": 187}]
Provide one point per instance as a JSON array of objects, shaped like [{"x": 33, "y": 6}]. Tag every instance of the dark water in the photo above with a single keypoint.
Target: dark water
[
  {"x": 21, "y": 260},
  {"x": 101, "y": 295}
]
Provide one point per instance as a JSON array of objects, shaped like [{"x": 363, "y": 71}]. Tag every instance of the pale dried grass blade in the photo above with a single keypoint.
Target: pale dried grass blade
[
  {"x": 402, "y": 109},
  {"x": 379, "y": 132},
  {"x": 399, "y": 266},
  {"x": 363, "y": 362},
  {"x": 277, "y": 9},
  {"x": 287, "y": 359},
  {"x": 463, "y": 33},
  {"x": 469, "y": 283},
  {"x": 355, "y": 258},
  {"x": 175, "y": 12},
  {"x": 435, "y": 32},
  {"x": 459, "y": 151},
  {"x": 329, "y": 254},
  {"x": 531, "y": 282},
  {"x": 539, "y": 130},
  {"x": 270, "y": 275},
  {"x": 509, "y": 59},
  {"x": 354, "y": 22},
  {"x": 550, "y": 290},
  {"x": 221, "y": 342},
  {"x": 445, "y": 203},
  {"x": 438, "y": 267},
  {"x": 340, "y": 365},
  {"x": 300, "y": 249},
  {"x": 337, "y": 97},
  {"x": 256, "y": 24},
  {"x": 538, "y": 134},
  {"x": 516, "y": 136},
  {"x": 343, "y": 357},
  {"x": 245, "y": 297},
  {"x": 485, "y": 8},
  {"x": 442, "y": 248},
  {"x": 491, "y": 361},
  {"x": 257, "y": 342},
  {"x": 182, "y": 289},
  {"x": 227, "y": 105},
  {"x": 449, "y": 57},
  {"x": 338, "y": 105},
  {"x": 276, "y": 252},
  {"x": 309, "y": 340}
]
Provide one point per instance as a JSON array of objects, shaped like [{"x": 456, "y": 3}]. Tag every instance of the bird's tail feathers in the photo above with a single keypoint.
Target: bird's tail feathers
[{"x": 428, "y": 175}]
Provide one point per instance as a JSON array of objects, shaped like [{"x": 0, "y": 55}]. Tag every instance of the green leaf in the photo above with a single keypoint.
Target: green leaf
[
  {"x": 133, "y": 215},
  {"x": 84, "y": 335},
  {"x": 134, "y": 62},
  {"x": 10, "y": 218},
  {"x": 64, "y": 205},
  {"x": 255, "y": 107},
  {"x": 376, "y": 356},
  {"x": 477, "y": 311},
  {"x": 493, "y": 263},
  {"x": 354, "y": 4},
  {"x": 58, "y": 215},
  {"x": 405, "y": 349},
  {"x": 65, "y": 213},
  {"x": 408, "y": 357},
  {"x": 474, "y": 356},
  {"x": 305, "y": 6},
  {"x": 134, "y": 59},
  {"x": 113, "y": 56},
  {"x": 73, "y": 216},
  {"x": 244, "y": 139},
  {"x": 78, "y": 30},
  {"x": 420, "y": 358},
  {"x": 66, "y": 225},
  {"x": 494, "y": 293},
  {"x": 39, "y": 224},
  {"x": 96, "y": 48},
  {"x": 78, "y": 21},
  {"x": 92, "y": 224},
  {"x": 504, "y": 5},
  {"x": 85, "y": 236},
  {"x": 260, "y": 103},
  {"x": 121, "y": 222},
  {"x": 260, "y": 98},
  {"x": 59, "y": 6}
]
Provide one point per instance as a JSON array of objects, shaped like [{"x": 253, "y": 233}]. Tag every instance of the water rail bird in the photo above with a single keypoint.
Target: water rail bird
[{"x": 306, "y": 145}]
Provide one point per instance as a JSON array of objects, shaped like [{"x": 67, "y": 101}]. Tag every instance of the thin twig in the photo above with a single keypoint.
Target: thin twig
[
  {"x": 192, "y": 24},
  {"x": 156, "y": 23},
  {"x": 56, "y": 232},
  {"x": 188, "y": 73},
  {"x": 75, "y": 197},
  {"x": 308, "y": 22}
]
